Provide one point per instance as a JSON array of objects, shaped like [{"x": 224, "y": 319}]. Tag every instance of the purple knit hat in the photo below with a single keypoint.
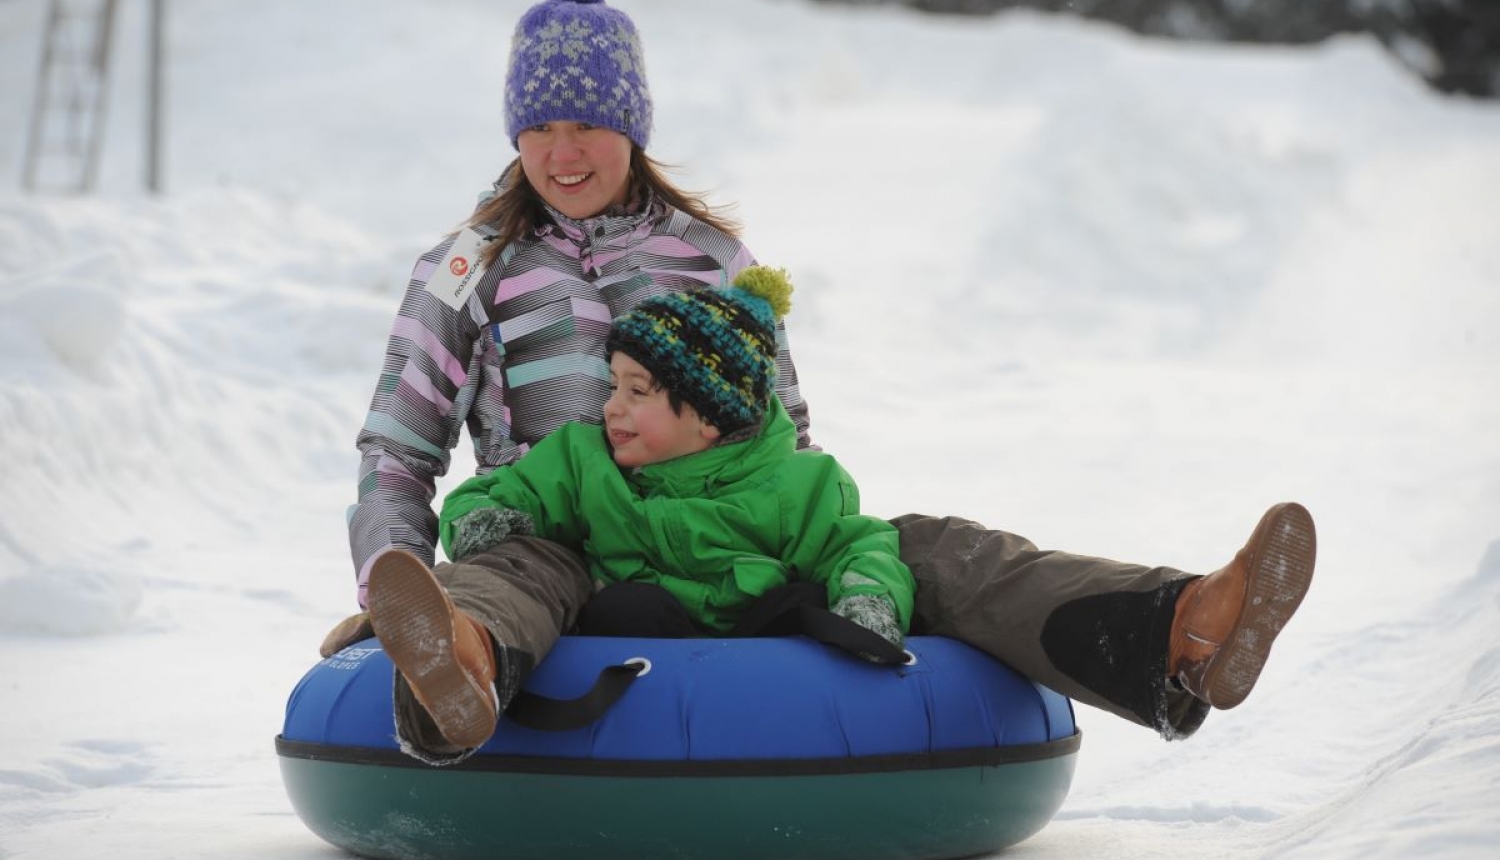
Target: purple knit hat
[{"x": 577, "y": 61}]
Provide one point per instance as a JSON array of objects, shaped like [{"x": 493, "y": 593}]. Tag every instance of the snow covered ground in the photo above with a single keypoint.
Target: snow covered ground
[{"x": 1128, "y": 292}]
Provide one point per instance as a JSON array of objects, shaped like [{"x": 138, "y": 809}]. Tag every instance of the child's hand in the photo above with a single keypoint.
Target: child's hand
[
  {"x": 874, "y": 613},
  {"x": 486, "y": 528}
]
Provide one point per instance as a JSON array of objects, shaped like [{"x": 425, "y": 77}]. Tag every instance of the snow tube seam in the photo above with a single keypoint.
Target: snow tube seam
[{"x": 932, "y": 760}]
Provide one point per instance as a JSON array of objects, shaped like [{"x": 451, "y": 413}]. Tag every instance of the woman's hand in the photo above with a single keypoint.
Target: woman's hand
[{"x": 355, "y": 628}]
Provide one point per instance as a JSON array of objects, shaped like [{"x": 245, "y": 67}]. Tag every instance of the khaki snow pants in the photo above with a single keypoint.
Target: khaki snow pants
[{"x": 1092, "y": 629}]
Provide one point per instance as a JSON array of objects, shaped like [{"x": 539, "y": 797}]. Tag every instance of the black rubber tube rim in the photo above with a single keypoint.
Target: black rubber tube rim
[{"x": 944, "y": 759}]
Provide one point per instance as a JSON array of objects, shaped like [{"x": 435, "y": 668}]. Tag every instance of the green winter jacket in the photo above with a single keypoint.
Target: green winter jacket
[{"x": 716, "y": 529}]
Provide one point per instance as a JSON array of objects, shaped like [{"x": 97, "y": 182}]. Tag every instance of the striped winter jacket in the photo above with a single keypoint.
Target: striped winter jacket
[{"x": 523, "y": 356}]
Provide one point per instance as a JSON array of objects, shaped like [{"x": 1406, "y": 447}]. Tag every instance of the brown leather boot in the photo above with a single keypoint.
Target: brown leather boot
[
  {"x": 1226, "y": 621},
  {"x": 445, "y": 655}
]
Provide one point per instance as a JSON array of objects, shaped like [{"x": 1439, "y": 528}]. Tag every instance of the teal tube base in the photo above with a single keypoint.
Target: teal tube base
[{"x": 399, "y": 812}]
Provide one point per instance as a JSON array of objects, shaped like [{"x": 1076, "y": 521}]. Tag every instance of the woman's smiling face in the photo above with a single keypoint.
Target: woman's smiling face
[{"x": 578, "y": 168}]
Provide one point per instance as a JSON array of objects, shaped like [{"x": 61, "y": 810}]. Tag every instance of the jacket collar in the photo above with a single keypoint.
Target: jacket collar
[
  {"x": 612, "y": 228},
  {"x": 722, "y": 464}
]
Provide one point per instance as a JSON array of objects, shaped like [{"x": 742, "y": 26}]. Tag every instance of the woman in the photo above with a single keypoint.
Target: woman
[{"x": 503, "y": 328}]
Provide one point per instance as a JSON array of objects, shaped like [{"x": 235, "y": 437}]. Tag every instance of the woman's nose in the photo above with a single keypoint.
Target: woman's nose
[{"x": 565, "y": 147}]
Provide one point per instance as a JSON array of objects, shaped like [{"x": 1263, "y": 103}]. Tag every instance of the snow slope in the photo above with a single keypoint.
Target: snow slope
[{"x": 1116, "y": 295}]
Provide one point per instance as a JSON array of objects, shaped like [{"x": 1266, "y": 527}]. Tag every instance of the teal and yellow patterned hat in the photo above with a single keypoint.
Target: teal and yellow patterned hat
[
  {"x": 577, "y": 61},
  {"x": 715, "y": 349}
]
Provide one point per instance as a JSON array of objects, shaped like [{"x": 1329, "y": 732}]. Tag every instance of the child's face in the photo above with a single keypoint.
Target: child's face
[{"x": 639, "y": 420}]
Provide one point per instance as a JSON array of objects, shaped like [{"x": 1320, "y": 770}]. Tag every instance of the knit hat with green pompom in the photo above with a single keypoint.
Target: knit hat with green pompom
[{"x": 715, "y": 349}]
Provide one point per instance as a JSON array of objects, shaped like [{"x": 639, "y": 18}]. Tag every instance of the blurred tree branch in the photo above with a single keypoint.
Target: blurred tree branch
[{"x": 1454, "y": 45}]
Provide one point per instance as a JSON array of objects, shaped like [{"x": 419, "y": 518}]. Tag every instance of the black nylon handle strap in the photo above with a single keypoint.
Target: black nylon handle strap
[
  {"x": 836, "y": 630},
  {"x": 565, "y": 715},
  {"x": 807, "y": 615}
]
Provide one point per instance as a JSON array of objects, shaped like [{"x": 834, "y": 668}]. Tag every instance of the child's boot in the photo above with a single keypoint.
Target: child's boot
[
  {"x": 1225, "y": 622},
  {"x": 445, "y": 655}
]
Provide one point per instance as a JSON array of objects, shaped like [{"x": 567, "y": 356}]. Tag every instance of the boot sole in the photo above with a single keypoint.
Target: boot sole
[
  {"x": 413, "y": 619},
  {"x": 1284, "y": 550}
]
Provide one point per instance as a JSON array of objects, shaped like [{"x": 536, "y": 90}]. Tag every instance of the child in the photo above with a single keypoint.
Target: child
[{"x": 691, "y": 506}]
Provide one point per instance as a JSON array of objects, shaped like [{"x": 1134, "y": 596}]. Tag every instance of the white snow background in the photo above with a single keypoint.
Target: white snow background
[{"x": 1114, "y": 294}]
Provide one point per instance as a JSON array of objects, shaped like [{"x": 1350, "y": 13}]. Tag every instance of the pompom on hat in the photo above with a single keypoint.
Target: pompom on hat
[
  {"x": 577, "y": 61},
  {"x": 715, "y": 349}
]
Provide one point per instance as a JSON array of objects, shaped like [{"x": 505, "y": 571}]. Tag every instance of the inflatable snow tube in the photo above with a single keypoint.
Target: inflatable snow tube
[{"x": 769, "y": 748}]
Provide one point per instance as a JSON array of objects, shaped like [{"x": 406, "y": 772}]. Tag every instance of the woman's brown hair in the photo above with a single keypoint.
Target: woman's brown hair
[{"x": 518, "y": 209}]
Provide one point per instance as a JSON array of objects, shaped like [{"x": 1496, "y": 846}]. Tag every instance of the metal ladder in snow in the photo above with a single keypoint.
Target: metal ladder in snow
[{"x": 67, "y": 118}]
